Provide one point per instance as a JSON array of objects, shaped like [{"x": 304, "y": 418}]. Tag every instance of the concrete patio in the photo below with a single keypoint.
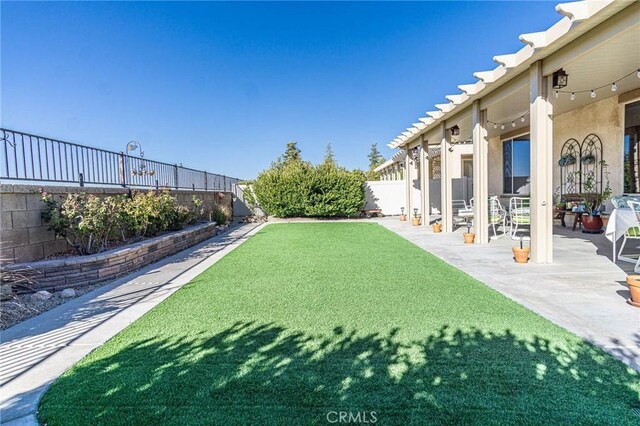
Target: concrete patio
[{"x": 582, "y": 290}]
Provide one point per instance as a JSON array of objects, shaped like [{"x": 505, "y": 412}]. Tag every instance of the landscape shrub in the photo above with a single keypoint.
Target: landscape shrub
[
  {"x": 220, "y": 214},
  {"x": 299, "y": 189},
  {"x": 89, "y": 222}
]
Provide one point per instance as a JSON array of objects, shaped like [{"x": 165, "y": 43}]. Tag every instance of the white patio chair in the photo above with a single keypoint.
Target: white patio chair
[
  {"x": 497, "y": 217},
  {"x": 633, "y": 233},
  {"x": 519, "y": 214},
  {"x": 456, "y": 207}
]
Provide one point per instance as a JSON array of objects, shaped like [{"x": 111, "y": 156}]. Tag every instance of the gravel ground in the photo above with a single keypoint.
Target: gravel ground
[{"x": 25, "y": 306}]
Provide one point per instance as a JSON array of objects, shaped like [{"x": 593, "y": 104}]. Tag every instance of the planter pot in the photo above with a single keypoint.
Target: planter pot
[
  {"x": 521, "y": 255},
  {"x": 403, "y": 217},
  {"x": 469, "y": 237},
  {"x": 591, "y": 224},
  {"x": 415, "y": 221},
  {"x": 437, "y": 228},
  {"x": 633, "y": 281}
]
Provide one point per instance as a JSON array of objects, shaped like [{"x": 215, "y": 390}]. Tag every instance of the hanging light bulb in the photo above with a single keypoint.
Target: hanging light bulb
[
  {"x": 522, "y": 119},
  {"x": 638, "y": 73},
  {"x": 614, "y": 87},
  {"x": 495, "y": 125},
  {"x": 502, "y": 126},
  {"x": 513, "y": 124},
  {"x": 573, "y": 96},
  {"x": 557, "y": 94},
  {"x": 593, "y": 93}
]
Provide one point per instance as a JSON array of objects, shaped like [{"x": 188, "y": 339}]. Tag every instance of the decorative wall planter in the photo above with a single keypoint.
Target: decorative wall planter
[
  {"x": 469, "y": 237},
  {"x": 58, "y": 274},
  {"x": 633, "y": 281}
]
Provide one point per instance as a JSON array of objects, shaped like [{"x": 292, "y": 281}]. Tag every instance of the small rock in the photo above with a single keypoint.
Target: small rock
[
  {"x": 68, "y": 292},
  {"x": 42, "y": 295},
  {"x": 6, "y": 292}
]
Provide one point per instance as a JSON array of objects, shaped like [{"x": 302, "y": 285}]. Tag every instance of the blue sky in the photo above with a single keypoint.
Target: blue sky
[{"x": 224, "y": 86}]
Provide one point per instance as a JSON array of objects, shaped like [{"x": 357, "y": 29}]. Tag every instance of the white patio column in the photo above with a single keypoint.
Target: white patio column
[
  {"x": 425, "y": 201},
  {"x": 541, "y": 166},
  {"x": 445, "y": 181},
  {"x": 480, "y": 174},
  {"x": 408, "y": 181}
]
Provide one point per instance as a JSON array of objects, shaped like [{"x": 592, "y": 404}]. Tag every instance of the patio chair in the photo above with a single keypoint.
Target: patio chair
[
  {"x": 633, "y": 233},
  {"x": 497, "y": 216},
  {"x": 456, "y": 207},
  {"x": 519, "y": 214}
]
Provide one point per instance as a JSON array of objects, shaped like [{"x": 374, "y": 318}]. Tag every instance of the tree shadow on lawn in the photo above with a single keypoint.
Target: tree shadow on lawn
[{"x": 264, "y": 374}]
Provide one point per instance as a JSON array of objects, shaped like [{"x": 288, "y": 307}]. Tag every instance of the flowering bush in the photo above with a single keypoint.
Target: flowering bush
[{"x": 89, "y": 222}]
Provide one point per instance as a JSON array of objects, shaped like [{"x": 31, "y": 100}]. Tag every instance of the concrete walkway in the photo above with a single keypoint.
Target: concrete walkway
[
  {"x": 37, "y": 351},
  {"x": 583, "y": 291}
]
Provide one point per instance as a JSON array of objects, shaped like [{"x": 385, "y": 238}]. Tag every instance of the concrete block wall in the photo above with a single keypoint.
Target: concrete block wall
[{"x": 25, "y": 237}]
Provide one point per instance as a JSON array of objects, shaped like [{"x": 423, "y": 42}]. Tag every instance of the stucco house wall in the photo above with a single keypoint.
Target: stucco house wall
[{"x": 604, "y": 118}]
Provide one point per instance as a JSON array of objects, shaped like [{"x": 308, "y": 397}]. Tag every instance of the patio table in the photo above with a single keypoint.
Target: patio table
[{"x": 620, "y": 221}]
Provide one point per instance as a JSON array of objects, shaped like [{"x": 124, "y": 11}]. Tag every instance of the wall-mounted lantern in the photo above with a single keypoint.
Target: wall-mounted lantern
[
  {"x": 455, "y": 130},
  {"x": 560, "y": 79}
]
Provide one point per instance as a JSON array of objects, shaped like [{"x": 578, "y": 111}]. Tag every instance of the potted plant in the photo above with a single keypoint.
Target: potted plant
[
  {"x": 437, "y": 227},
  {"x": 403, "y": 217},
  {"x": 633, "y": 282},
  {"x": 521, "y": 254},
  {"x": 593, "y": 198},
  {"x": 469, "y": 237},
  {"x": 416, "y": 219}
]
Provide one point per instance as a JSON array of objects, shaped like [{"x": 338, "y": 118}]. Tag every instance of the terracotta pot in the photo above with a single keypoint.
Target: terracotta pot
[
  {"x": 469, "y": 237},
  {"x": 633, "y": 281},
  {"x": 521, "y": 255},
  {"x": 437, "y": 228},
  {"x": 415, "y": 221},
  {"x": 591, "y": 224},
  {"x": 403, "y": 217}
]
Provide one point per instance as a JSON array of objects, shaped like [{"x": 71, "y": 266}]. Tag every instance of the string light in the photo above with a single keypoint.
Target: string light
[
  {"x": 593, "y": 92},
  {"x": 513, "y": 122}
]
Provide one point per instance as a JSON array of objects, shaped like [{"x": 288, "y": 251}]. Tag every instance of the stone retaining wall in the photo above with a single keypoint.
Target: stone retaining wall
[
  {"x": 25, "y": 237},
  {"x": 76, "y": 271}
]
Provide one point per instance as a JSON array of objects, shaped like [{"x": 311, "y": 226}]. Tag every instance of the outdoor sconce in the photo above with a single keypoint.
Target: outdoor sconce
[
  {"x": 415, "y": 153},
  {"x": 455, "y": 130},
  {"x": 560, "y": 79}
]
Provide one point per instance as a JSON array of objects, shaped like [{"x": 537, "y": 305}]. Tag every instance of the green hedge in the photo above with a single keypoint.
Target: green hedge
[{"x": 299, "y": 189}]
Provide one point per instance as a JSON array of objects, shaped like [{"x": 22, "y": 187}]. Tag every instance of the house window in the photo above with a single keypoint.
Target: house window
[
  {"x": 631, "y": 148},
  {"x": 467, "y": 166},
  {"x": 516, "y": 165}
]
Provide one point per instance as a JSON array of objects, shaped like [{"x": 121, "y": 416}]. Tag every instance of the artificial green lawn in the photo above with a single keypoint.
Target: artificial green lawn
[{"x": 309, "y": 318}]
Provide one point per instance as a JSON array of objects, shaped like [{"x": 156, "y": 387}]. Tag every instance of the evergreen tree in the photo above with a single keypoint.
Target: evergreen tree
[
  {"x": 375, "y": 158},
  {"x": 329, "y": 158},
  {"x": 292, "y": 153}
]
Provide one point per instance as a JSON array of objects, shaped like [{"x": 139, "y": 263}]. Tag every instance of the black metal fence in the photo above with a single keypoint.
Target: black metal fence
[{"x": 36, "y": 158}]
